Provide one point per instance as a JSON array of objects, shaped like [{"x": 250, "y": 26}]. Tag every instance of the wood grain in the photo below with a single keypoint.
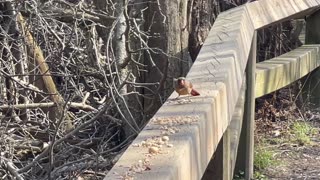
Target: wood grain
[
  {"x": 218, "y": 75},
  {"x": 279, "y": 72}
]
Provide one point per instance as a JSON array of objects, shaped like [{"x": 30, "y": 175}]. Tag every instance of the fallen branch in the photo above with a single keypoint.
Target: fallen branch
[
  {"x": 37, "y": 54},
  {"x": 75, "y": 105}
]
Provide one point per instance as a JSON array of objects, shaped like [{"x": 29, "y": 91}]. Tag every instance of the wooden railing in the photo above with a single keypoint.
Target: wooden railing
[{"x": 212, "y": 134}]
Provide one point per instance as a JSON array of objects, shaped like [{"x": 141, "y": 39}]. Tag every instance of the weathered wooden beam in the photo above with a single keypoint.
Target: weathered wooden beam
[
  {"x": 236, "y": 127},
  {"x": 217, "y": 74},
  {"x": 248, "y": 118},
  {"x": 245, "y": 153},
  {"x": 216, "y": 167},
  {"x": 226, "y": 164},
  {"x": 194, "y": 145},
  {"x": 193, "y": 128},
  {"x": 219, "y": 168},
  {"x": 267, "y": 12},
  {"x": 280, "y": 71},
  {"x": 222, "y": 163}
]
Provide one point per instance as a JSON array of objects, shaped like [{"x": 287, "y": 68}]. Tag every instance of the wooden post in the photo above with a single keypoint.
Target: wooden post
[
  {"x": 222, "y": 165},
  {"x": 245, "y": 154},
  {"x": 219, "y": 168},
  {"x": 215, "y": 167},
  {"x": 312, "y": 86},
  {"x": 235, "y": 127},
  {"x": 226, "y": 162}
]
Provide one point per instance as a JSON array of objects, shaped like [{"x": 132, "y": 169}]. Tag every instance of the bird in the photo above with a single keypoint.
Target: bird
[{"x": 184, "y": 87}]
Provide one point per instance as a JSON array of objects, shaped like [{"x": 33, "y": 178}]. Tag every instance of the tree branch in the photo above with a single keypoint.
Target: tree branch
[{"x": 47, "y": 105}]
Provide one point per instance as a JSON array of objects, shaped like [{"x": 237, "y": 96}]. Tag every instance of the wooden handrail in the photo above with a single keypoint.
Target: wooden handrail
[
  {"x": 193, "y": 129},
  {"x": 283, "y": 70}
]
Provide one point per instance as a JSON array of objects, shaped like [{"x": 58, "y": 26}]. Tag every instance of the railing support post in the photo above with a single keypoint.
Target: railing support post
[
  {"x": 312, "y": 86},
  {"x": 226, "y": 155},
  {"x": 222, "y": 163},
  {"x": 219, "y": 168},
  {"x": 245, "y": 156}
]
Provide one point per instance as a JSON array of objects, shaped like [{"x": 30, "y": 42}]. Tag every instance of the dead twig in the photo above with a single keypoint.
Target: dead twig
[{"x": 81, "y": 106}]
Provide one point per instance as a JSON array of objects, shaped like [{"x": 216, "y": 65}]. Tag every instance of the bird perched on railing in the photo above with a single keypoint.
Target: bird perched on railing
[{"x": 184, "y": 87}]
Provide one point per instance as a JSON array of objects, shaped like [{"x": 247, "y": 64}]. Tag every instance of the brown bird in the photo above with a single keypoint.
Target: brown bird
[{"x": 184, "y": 87}]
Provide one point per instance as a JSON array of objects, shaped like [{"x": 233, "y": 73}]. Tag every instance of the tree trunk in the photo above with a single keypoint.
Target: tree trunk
[
  {"x": 168, "y": 22},
  {"x": 121, "y": 56}
]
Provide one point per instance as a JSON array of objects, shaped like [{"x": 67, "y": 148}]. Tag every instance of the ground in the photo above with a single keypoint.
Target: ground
[
  {"x": 287, "y": 140},
  {"x": 294, "y": 161}
]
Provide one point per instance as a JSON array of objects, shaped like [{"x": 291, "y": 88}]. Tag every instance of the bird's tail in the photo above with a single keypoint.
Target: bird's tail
[{"x": 194, "y": 93}]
